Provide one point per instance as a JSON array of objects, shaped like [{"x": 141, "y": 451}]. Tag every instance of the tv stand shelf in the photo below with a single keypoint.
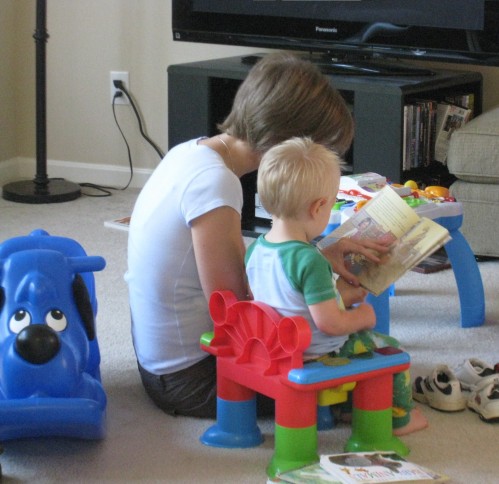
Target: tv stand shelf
[{"x": 200, "y": 95}]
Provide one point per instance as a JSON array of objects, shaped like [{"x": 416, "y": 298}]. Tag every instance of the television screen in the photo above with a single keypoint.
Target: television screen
[{"x": 448, "y": 30}]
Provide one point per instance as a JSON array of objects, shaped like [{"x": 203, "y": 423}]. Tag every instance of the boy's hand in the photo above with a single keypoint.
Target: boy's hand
[
  {"x": 350, "y": 294},
  {"x": 336, "y": 253}
]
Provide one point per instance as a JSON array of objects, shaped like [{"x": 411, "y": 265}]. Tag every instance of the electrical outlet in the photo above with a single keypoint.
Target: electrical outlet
[{"x": 123, "y": 77}]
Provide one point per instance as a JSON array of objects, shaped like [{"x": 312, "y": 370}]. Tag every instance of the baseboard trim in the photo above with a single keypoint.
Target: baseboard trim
[{"x": 100, "y": 174}]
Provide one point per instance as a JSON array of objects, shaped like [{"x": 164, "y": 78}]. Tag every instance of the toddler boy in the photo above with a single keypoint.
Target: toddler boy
[{"x": 298, "y": 181}]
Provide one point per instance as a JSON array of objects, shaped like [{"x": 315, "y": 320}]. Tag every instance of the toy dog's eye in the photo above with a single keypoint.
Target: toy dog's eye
[
  {"x": 19, "y": 321},
  {"x": 56, "y": 320}
]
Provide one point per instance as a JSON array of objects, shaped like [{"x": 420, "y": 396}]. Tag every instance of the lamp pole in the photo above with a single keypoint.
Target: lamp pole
[{"x": 41, "y": 189}]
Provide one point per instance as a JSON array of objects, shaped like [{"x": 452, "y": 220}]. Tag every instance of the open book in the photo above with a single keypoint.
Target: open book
[
  {"x": 376, "y": 467},
  {"x": 361, "y": 467},
  {"x": 389, "y": 219}
]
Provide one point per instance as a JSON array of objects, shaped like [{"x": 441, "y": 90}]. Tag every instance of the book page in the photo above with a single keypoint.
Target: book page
[
  {"x": 384, "y": 218},
  {"x": 411, "y": 248},
  {"x": 311, "y": 474}
]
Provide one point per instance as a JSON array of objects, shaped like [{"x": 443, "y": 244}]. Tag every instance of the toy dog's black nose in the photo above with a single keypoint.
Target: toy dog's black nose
[{"x": 37, "y": 344}]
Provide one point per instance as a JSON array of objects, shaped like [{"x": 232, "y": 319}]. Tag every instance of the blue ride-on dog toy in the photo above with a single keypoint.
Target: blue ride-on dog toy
[{"x": 50, "y": 383}]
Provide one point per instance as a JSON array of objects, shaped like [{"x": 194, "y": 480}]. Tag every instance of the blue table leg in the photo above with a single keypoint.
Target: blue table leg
[
  {"x": 468, "y": 279},
  {"x": 381, "y": 306}
]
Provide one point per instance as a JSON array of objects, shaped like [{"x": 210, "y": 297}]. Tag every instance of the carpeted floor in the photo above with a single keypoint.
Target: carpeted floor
[{"x": 144, "y": 445}]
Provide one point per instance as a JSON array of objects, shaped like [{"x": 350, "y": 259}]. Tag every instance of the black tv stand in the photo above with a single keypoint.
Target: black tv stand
[
  {"x": 372, "y": 68},
  {"x": 358, "y": 67},
  {"x": 200, "y": 95}
]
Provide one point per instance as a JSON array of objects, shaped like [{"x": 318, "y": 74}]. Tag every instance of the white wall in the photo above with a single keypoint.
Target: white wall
[
  {"x": 7, "y": 82},
  {"x": 88, "y": 39}
]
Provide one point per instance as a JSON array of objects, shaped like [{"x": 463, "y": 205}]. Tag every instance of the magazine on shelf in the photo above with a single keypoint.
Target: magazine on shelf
[
  {"x": 449, "y": 118},
  {"x": 388, "y": 219}
]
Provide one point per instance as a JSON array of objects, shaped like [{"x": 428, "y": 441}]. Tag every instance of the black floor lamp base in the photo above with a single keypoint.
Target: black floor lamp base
[{"x": 53, "y": 191}]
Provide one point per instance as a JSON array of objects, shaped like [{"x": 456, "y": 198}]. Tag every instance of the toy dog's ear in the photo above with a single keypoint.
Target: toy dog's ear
[{"x": 84, "y": 306}]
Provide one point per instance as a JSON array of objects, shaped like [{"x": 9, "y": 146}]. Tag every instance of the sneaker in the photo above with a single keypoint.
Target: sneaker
[
  {"x": 472, "y": 371},
  {"x": 484, "y": 399},
  {"x": 440, "y": 390}
]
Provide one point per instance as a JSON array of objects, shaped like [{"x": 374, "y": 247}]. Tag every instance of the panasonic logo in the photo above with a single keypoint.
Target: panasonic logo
[{"x": 327, "y": 30}]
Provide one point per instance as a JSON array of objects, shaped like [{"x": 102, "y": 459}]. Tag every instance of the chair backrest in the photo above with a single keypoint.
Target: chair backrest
[{"x": 255, "y": 334}]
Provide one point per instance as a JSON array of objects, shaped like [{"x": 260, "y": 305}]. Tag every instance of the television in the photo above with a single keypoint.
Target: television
[{"x": 346, "y": 33}]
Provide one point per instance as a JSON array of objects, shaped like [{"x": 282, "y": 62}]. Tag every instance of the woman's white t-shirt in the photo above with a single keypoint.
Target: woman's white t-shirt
[{"x": 168, "y": 307}]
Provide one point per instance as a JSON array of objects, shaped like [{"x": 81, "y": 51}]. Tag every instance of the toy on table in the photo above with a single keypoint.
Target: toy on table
[
  {"x": 49, "y": 355},
  {"x": 335, "y": 216},
  {"x": 433, "y": 193},
  {"x": 367, "y": 185},
  {"x": 257, "y": 350}
]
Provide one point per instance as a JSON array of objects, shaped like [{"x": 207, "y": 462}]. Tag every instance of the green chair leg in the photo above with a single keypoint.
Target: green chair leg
[
  {"x": 293, "y": 448},
  {"x": 372, "y": 430}
]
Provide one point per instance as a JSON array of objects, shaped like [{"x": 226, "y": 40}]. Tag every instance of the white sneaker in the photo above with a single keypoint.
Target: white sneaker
[
  {"x": 484, "y": 399},
  {"x": 440, "y": 390},
  {"x": 472, "y": 371}
]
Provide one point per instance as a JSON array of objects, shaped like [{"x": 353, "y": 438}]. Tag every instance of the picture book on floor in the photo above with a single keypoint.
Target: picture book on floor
[
  {"x": 361, "y": 468},
  {"x": 387, "y": 218},
  {"x": 376, "y": 467},
  {"x": 122, "y": 223}
]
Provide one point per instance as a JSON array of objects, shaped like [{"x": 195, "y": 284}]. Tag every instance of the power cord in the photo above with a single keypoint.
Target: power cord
[
  {"x": 119, "y": 85},
  {"x": 106, "y": 190}
]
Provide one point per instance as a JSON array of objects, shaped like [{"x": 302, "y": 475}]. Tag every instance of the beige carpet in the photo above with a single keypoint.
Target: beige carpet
[{"x": 144, "y": 445}]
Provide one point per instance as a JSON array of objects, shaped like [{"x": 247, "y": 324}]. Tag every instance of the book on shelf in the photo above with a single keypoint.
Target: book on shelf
[
  {"x": 361, "y": 467},
  {"x": 428, "y": 126},
  {"x": 418, "y": 134},
  {"x": 464, "y": 100},
  {"x": 388, "y": 219},
  {"x": 449, "y": 118}
]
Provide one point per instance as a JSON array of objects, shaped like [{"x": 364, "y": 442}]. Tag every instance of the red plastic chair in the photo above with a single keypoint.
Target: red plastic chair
[{"x": 257, "y": 350}]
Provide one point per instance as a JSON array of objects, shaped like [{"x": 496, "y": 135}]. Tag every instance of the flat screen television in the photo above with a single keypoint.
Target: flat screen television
[{"x": 347, "y": 31}]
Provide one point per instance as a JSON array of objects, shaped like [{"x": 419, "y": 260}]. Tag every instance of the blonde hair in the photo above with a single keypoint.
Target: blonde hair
[
  {"x": 295, "y": 173},
  {"x": 285, "y": 96}
]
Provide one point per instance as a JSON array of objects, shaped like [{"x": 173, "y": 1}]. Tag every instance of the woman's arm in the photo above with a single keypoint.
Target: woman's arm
[
  {"x": 335, "y": 254},
  {"x": 219, "y": 250}
]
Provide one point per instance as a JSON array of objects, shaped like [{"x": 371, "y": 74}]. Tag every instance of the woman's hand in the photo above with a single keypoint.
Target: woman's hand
[{"x": 336, "y": 253}]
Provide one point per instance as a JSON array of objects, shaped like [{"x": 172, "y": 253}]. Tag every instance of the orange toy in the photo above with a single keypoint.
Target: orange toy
[{"x": 437, "y": 191}]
